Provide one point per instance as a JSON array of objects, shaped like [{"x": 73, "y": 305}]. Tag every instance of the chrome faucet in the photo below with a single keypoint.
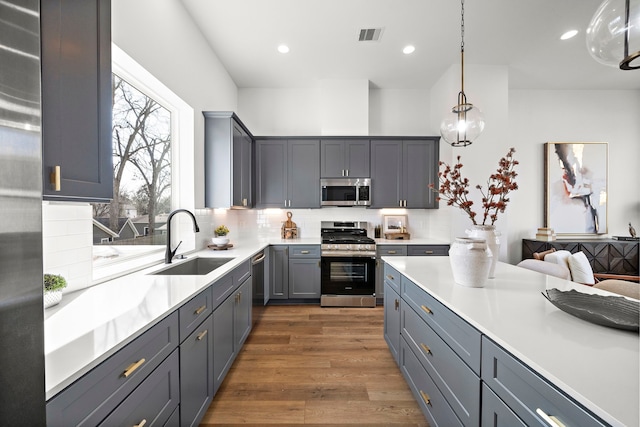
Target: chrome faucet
[{"x": 169, "y": 254}]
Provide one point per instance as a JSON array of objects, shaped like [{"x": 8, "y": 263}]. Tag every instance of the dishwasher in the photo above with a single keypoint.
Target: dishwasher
[{"x": 257, "y": 276}]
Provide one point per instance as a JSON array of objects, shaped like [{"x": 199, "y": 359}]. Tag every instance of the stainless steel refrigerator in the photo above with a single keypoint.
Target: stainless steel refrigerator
[{"x": 22, "y": 395}]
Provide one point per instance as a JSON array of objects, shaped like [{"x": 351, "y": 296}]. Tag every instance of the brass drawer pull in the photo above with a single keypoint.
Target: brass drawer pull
[
  {"x": 425, "y": 397},
  {"x": 392, "y": 252},
  {"x": 425, "y": 348},
  {"x": 304, "y": 252},
  {"x": 397, "y": 304},
  {"x": 549, "y": 419},
  {"x": 426, "y": 309},
  {"x": 202, "y": 335},
  {"x": 142, "y": 423},
  {"x": 428, "y": 252},
  {"x": 133, "y": 367},
  {"x": 54, "y": 178},
  {"x": 390, "y": 277},
  {"x": 200, "y": 309}
]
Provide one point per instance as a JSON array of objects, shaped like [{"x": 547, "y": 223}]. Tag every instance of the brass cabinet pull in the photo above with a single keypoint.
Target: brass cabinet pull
[
  {"x": 390, "y": 277},
  {"x": 244, "y": 202},
  {"x": 428, "y": 252},
  {"x": 425, "y": 348},
  {"x": 397, "y": 304},
  {"x": 425, "y": 397},
  {"x": 426, "y": 309},
  {"x": 131, "y": 368},
  {"x": 549, "y": 419},
  {"x": 200, "y": 309},
  {"x": 304, "y": 252},
  {"x": 142, "y": 423},
  {"x": 392, "y": 252},
  {"x": 54, "y": 178},
  {"x": 202, "y": 335}
]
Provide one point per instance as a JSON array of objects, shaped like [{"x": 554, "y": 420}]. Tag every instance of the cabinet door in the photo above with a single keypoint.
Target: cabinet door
[
  {"x": 196, "y": 374},
  {"x": 304, "y": 174},
  {"x": 357, "y": 158},
  {"x": 332, "y": 159},
  {"x": 223, "y": 341},
  {"x": 279, "y": 272},
  {"x": 271, "y": 179},
  {"x": 392, "y": 320},
  {"x": 419, "y": 169},
  {"x": 76, "y": 99},
  {"x": 386, "y": 164},
  {"x": 304, "y": 278},
  {"x": 242, "y": 315},
  {"x": 241, "y": 167}
]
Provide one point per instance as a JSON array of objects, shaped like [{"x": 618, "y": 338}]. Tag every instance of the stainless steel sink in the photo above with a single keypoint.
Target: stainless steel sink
[{"x": 194, "y": 267}]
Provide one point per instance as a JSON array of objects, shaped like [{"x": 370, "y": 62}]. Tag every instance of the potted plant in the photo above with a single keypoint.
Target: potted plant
[
  {"x": 53, "y": 286},
  {"x": 221, "y": 238}
]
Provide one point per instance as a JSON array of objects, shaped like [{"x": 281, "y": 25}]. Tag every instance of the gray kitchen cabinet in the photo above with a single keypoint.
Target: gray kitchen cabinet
[
  {"x": 288, "y": 173},
  {"x": 94, "y": 396},
  {"x": 231, "y": 326},
  {"x": 495, "y": 412},
  {"x": 392, "y": 320},
  {"x": 278, "y": 272},
  {"x": 386, "y": 250},
  {"x": 196, "y": 373},
  {"x": 401, "y": 171},
  {"x": 344, "y": 158},
  {"x": 76, "y": 100},
  {"x": 228, "y": 147},
  {"x": 304, "y": 271},
  {"x": 153, "y": 402}
]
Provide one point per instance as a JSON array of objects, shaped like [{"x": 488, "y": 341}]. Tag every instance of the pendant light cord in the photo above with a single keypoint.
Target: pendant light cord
[{"x": 462, "y": 47}]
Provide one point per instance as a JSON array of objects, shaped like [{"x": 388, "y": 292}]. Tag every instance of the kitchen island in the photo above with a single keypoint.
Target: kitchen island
[{"x": 595, "y": 366}]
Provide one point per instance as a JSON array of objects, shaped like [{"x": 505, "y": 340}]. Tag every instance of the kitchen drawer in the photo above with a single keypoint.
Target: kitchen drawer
[
  {"x": 91, "y": 398},
  {"x": 463, "y": 338},
  {"x": 301, "y": 251},
  {"x": 455, "y": 380},
  {"x": 195, "y": 311},
  {"x": 222, "y": 288},
  {"x": 428, "y": 250},
  {"x": 525, "y": 392},
  {"x": 495, "y": 413},
  {"x": 392, "y": 277},
  {"x": 241, "y": 273},
  {"x": 391, "y": 250},
  {"x": 433, "y": 404},
  {"x": 153, "y": 402}
]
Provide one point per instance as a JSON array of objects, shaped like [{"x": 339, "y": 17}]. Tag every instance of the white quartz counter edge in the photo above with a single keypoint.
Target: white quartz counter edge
[
  {"x": 415, "y": 241},
  {"x": 90, "y": 325},
  {"x": 595, "y": 365}
]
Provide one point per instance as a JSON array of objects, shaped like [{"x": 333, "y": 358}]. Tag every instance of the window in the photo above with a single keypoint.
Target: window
[{"x": 152, "y": 133}]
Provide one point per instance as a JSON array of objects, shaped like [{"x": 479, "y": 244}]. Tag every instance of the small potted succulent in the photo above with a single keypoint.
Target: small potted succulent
[
  {"x": 221, "y": 238},
  {"x": 53, "y": 286}
]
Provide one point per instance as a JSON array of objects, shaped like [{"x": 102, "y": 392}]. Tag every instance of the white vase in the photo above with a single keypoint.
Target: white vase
[
  {"x": 51, "y": 298},
  {"x": 220, "y": 240},
  {"x": 488, "y": 233},
  {"x": 470, "y": 260}
]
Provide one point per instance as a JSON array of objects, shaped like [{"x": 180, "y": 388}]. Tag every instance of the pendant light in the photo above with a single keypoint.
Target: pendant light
[
  {"x": 613, "y": 35},
  {"x": 466, "y": 121}
]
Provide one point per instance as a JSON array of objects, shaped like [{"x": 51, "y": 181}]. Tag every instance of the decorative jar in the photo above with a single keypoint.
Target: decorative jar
[
  {"x": 488, "y": 233},
  {"x": 470, "y": 260},
  {"x": 51, "y": 298}
]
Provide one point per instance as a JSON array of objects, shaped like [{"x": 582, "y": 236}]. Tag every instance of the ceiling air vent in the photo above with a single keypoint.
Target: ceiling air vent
[{"x": 370, "y": 34}]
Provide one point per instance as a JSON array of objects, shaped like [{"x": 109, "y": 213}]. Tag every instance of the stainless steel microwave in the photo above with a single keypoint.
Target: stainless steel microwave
[{"x": 345, "y": 192}]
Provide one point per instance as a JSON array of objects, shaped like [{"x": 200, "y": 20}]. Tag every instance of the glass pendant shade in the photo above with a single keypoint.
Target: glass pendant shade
[
  {"x": 463, "y": 125},
  {"x": 613, "y": 35}
]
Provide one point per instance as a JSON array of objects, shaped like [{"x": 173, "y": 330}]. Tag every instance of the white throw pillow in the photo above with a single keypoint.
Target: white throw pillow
[
  {"x": 558, "y": 257},
  {"x": 581, "y": 271}
]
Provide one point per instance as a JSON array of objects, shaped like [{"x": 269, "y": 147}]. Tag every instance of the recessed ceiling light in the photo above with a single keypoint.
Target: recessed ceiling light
[
  {"x": 569, "y": 34},
  {"x": 283, "y": 48},
  {"x": 408, "y": 49}
]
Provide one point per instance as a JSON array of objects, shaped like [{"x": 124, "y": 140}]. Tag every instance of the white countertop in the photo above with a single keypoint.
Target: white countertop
[
  {"x": 416, "y": 241},
  {"x": 597, "y": 366}
]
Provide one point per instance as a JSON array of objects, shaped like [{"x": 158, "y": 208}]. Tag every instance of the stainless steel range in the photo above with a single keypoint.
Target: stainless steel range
[{"x": 348, "y": 265}]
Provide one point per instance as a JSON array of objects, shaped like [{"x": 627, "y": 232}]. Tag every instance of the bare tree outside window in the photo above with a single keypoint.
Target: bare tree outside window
[{"x": 141, "y": 134}]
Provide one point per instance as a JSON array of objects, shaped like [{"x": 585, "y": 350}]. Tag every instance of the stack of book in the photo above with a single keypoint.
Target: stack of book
[{"x": 546, "y": 234}]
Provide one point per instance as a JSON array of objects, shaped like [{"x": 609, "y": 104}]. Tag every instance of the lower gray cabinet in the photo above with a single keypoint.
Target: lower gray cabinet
[
  {"x": 231, "y": 326},
  {"x": 495, "y": 412},
  {"x": 279, "y": 272},
  {"x": 304, "y": 271},
  {"x": 154, "y": 401},
  {"x": 196, "y": 373},
  {"x": 392, "y": 320},
  {"x": 385, "y": 250}
]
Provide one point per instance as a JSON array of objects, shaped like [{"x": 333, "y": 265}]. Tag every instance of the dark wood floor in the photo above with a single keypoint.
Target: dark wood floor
[{"x": 313, "y": 366}]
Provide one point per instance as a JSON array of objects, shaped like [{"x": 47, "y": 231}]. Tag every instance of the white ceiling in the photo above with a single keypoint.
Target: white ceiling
[{"x": 323, "y": 36}]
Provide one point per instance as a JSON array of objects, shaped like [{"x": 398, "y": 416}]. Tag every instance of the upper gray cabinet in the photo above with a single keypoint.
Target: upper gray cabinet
[
  {"x": 344, "y": 158},
  {"x": 76, "y": 100},
  {"x": 401, "y": 171},
  {"x": 287, "y": 173},
  {"x": 228, "y": 149}
]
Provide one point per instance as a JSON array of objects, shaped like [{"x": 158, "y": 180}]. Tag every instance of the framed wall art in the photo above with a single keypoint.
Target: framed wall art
[
  {"x": 576, "y": 175},
  {"x": 395, "y": 223}
]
